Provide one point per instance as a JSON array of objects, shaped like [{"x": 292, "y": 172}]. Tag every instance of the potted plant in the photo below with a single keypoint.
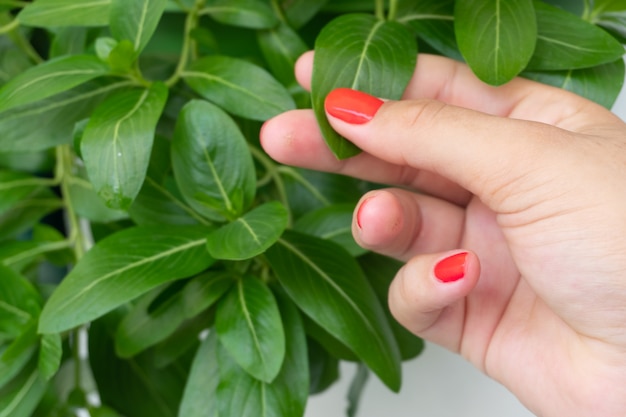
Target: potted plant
[{"x": 153, "y": 260}]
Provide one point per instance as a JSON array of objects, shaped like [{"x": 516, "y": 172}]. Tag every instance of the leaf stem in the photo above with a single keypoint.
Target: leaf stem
[
  {"x": 393, "y": 10},
  {"x": 380, "y": 9},
  {"x": 274, "y": 173},
  {"x": 278, "y": 10},
  {"x": 190, "y": 23},
  {"x": 13, "y": 24}
]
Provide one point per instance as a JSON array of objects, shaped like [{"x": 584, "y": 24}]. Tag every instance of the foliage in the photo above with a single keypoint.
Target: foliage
[{"x": 138, "y": 211}]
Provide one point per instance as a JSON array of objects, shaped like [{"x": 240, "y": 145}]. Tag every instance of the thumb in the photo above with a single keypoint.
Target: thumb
[
  {"x": 427, "y": 295},
  {"x": 483, "y": 153}
]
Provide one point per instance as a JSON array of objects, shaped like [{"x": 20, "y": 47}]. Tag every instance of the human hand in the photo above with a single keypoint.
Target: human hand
[{"x": 523, "y": 193}]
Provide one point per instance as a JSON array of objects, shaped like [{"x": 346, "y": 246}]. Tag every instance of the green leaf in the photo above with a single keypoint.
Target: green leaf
[
  {"x": 117, "y": 142},
  {"x": 249, "y": 235},
  {"x": 121, "y": 267},
  {"x": 204, "y": 290},
  {"x": 25, "y": 214},
  {"x": 15, "y": 187},
  {"x": 332, "y": 223},
  {"x": 496, "y": 37},
  {"x": 363, "y": 53},
  {"x": 20, "y": 398},
  {"x": 329, "y": 342},
  {"x": 253, "y": 14},
  {"x": 566, "y": 42},
  {"x": 55, "y": 13},
  {"x": 147, "y": 324},
  {"x": 50, "y": 354},
  {"x": 89, "y": 205},
  {"x": 328, "y": 285},
  {"x": 299, "y": 12},
  {"x": 380, "y": 271},
  {"x": 69, "y": 41},
  {"x": 239, "y": 87},
  {"x": 47, "y": 79},
  {"x": 433, "y": 21},
  {"x": 601, "y": 84},
  {"x": 19, "y": 303},
  {"x": 212, "y": 164},
  {"x": 241, "y": 395},
  {"x": 199, "y": 398},
  {"x": 58, "y": 113},
  {"x": 160, "y": 203},
  {"x": 144, "y": 326},
  {"x": 122, "y": 57},
  {"x": 135, "y": 20},
  {"x": 323, "y": 367},
  {"x": 17, "y": 354},
  {"x": 134, "y": 387},
  {"x": 249, "y": 326},
  {"x": 281, "y": 47}
]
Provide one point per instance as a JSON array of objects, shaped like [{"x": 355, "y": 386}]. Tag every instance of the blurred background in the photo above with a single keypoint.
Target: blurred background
[{"x": 435, "y": 384}]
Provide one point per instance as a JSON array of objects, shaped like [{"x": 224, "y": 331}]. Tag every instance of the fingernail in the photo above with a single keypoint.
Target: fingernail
[
  {"x": 359, "y": 212},
  {"x": 352, "y": 106},
  {"x": 451, "y": 268}
]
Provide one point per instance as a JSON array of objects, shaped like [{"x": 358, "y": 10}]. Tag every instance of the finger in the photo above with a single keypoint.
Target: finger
[
  {"x": 452, "y": 82},
  {"x": 401, "y": 224},
  {"x": 294, "y": 138},
  {"x": 488, "y": 155},
  {"x": 427, "y": 296}
]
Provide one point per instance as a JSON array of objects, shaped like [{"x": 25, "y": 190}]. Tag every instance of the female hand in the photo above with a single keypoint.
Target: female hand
[{"x": 516, "y": 241}]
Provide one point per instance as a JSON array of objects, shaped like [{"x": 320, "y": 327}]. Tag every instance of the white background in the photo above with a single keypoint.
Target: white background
[{"x": 436, "y": 384}]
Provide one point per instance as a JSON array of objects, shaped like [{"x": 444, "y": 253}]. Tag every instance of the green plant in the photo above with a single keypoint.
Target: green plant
[{"x": 138, "y": 211}]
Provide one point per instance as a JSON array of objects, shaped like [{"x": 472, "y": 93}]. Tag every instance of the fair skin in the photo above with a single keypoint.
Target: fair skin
[{"x": 530, "y": 180}]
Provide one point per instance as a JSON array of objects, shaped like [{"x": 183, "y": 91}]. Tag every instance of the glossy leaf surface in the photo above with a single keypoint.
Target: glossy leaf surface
[
  {"x": 199, "y": 398},
  {"x": 249, "y": 326},
  {"x": 311, "y": 270},
  {"x": 239, "y": 87},
  {"x": 135, "y": 20},
  {"x": 58, "y": 113},
  {"x": 212, "y": 164},
  {"x": 332, "y": 223},
  {"x": 496, "y": 37},
  {"x": 50, "y": 78},
  {"x": 253, "y": 14},
  {"x": 240, "y": 394},
  {"x": 360, "y": 52},
  {"x": 566, "y": 42},
  {"x": 117, "y": 142},
  {"x": 601, "y": 84},
  {"x": 249, "y": 235},
  {"x": 55, "y": 13},
  {"x": 121, "y": 267}
]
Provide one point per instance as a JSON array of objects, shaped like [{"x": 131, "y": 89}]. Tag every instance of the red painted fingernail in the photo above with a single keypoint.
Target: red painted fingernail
[
  {"x": 352, "y": 106},
  {"x": 451, "y": 268}
]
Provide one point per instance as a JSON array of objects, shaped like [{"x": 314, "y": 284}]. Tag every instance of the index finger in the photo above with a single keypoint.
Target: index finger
[{"x": 453, "y": 82}]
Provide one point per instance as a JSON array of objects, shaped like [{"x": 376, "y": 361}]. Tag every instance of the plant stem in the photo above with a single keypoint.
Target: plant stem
[
  {"x": 190, "y": 23},
  {"x": 279, "y": 11},
  {"x": 13, "y": 24},
  {"x": 380, "y": 9},
  {"x": 393, "y": 10},
  {"x": 273, "y": 172}
]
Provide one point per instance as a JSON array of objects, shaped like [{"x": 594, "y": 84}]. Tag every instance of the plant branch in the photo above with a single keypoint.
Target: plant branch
[
  {"x": 274, "y": 173},
  {"x": 13, "y": 24},
  {"x": 380, "y": 9},
  {"x": 393, "y": 10},
  {"x": 190, "y": 24}
]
